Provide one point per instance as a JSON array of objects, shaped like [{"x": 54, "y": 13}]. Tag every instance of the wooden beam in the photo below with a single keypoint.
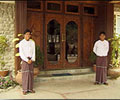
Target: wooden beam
[
  {"x": 114, "y": 1},
  {"x": 20, "y": 20},
  {"x": 93, "y": 2},
  {"x": 7, "y": 2},
  {"x": 110, "y": 23}
]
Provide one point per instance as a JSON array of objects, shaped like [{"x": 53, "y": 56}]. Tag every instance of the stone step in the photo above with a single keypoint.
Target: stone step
[
  {"x": 46, "y": 76},
  {"x": 71, "y": 71},
  {"x": 62, "y": 78}
]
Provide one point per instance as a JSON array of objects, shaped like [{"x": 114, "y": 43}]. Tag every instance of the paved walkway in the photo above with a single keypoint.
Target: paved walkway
[{"x": 68, "y": 89}]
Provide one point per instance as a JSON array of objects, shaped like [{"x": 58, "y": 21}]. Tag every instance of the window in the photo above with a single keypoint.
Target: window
[
  {"x": 53, "y": 6},
  {"x": 72, "y": 8},
  {"x": 89, "y": 10},
  {"x": 34, "y": 4},
  {"x": 118, "y": 24}
]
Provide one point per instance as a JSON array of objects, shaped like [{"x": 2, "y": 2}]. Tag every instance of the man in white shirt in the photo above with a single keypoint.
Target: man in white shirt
[
  {"x": 101, "y": 49},
  {"x": 27, "y": 54}
]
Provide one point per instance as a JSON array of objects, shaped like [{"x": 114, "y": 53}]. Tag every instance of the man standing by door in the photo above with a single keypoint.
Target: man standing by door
[
  {"x": 101, "y": 49},
  {"x": 27, "y": 54}
]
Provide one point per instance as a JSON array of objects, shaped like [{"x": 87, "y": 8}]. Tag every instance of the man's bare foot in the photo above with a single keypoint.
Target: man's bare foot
[
  {"x": 32, "y": 91},
  {"x": 96, "y": 83},
  {"x": 105, "y": 83},
  {"x": 24, "y": 93}
]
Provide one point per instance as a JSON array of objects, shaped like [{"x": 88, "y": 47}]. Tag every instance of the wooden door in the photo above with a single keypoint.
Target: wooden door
[
  {"x": 71, "y": 41},
  {"x": 53, "y": 41},
  {"x": 62, "y": 42},
  {"x": 88, "y": 32},
  {"x": 35, "y": 24}
]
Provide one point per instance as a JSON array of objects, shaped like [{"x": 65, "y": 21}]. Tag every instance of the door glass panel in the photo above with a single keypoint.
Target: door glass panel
[
  {"x": 53, "y": 41},
  {"x": 71, "y": 42}
]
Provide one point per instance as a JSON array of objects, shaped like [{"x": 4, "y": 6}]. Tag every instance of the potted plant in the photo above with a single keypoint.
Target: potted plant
[
  {"x": 92, "y": 58},
  {"x": 39, "y": 60},
  {"x": 3, "y": 46},
  {"x": 114, "y": 69}
]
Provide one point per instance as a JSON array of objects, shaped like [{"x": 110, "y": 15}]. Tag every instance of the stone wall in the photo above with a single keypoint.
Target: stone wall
[{"x": 7, "y": 28}]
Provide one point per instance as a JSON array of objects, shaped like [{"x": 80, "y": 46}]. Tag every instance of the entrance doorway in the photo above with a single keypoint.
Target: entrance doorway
[
  {"x": 64, "y": 31},
  {"x": 62, "y": 49}
]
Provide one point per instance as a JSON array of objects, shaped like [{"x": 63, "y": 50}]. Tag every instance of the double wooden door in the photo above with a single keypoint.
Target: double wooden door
[{"x": 62, "y": 42}]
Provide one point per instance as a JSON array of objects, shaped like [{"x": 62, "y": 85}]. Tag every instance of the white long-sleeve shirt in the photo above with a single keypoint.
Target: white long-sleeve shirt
[
  {"x": 101, "y": 48},
  {"x": 27, "y": 49}
]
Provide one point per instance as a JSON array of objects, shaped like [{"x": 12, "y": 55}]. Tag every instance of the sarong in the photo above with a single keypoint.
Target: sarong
[
  {"x": 101, "y": 70},
  {"x": 27, "y": 76}
]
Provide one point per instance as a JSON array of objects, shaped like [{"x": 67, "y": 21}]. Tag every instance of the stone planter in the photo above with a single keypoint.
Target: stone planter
[
  {"x": 3, "y": 73},
  {"x": 36, "y": 71},
  {"x": 18, "y": 77},
  {"x": 94, "y": 67},
  {"x": 114, "y": 72}
]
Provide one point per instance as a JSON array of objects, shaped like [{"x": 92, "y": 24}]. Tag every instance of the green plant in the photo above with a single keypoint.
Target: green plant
[
  {"x": 39, "y": 60},
  {"x": 115, "y": 45},
  {"x": 92, "y": 57},
  {"x": 3, "y": 46},
  {"x": 6, "y": 82}
]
